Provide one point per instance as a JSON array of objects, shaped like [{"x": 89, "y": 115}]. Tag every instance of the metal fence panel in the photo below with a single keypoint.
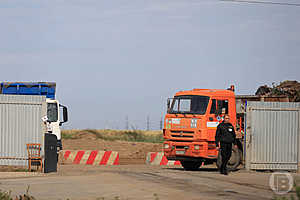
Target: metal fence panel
[
  {"x": 274, "y": 135},
  {"x": 20, "y": 124}
]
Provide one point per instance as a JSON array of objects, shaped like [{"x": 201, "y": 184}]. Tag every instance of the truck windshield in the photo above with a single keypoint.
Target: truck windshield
[
  {"x": 52, "y": 112},
  {"x": 189, "y": 104}
]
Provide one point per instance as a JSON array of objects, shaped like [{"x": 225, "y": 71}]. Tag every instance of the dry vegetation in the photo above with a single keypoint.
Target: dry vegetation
[
  {"x": 6, "y": 195},
  {"x": 116, "y": 135},
  {"x": 6, "y": 168}
]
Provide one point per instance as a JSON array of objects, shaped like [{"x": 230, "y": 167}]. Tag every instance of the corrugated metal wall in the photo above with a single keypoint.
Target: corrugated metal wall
[
  {"x": 20, "y": 124},
  {"x": 272, "y": 138}
]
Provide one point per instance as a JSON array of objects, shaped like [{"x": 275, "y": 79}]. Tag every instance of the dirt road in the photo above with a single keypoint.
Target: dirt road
[{"x": 135, "y": 182}]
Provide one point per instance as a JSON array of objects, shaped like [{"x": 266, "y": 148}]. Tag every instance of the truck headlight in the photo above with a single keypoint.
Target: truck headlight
[
  {"x": 196, "y": 147},
  {"x": 166, "y": 146}
]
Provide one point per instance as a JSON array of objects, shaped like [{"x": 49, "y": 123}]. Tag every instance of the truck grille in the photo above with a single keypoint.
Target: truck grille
[
  {"x": 211, "y": 146},
  {"x": 183, "y": 132},
  {"x": 181, "y": 147},
  {"x": 183, "y": 136}
]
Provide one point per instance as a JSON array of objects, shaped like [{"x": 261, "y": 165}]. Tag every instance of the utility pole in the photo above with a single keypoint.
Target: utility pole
[
  {"x": 161, "y": 123},
  {"x": 148, "y": 123},
  {"x": 126, "y": 123}
]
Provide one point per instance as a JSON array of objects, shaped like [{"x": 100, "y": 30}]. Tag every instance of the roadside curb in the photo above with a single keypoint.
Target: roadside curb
[
  {"x": 87, "y": 157},
  {"x": 158, "y": 158}
]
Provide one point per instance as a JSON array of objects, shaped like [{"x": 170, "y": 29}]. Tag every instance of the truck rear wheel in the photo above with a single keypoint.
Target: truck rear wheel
[
  {"x": 191, "y": 165},
  {"x": 234, "y": 161}
]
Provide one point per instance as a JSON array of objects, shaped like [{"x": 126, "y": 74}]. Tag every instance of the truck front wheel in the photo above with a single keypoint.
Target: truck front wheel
[
  {"x": 234, "y": 161},
  {"x": 191, "y": 165}
]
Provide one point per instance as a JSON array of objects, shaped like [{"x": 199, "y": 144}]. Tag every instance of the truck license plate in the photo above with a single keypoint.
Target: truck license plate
[{"x": 180, "y": 152}]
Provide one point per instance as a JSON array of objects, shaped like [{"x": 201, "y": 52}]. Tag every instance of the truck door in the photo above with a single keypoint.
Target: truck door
[
  {"x": 53, "y": 117},
  {"x": 218, "y": 108}
]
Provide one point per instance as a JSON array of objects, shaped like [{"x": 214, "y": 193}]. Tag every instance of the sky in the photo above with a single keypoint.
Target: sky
[{"x": 120, "y": 58}]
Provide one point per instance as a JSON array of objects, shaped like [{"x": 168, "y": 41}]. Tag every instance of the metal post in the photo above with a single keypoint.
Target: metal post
[
  {"x": 248, "y": 139},
  {"x": 298, "y": 167}
]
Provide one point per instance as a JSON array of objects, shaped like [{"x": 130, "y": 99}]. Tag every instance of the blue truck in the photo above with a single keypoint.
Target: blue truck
[{"x": 47, "y": 89}]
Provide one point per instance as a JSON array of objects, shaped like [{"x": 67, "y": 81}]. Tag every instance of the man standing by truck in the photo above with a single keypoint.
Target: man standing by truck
[{"x": 225, "y": 137}]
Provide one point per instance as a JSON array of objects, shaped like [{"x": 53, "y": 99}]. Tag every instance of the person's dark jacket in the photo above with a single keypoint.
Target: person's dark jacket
[{"x": 225, "y": 133}]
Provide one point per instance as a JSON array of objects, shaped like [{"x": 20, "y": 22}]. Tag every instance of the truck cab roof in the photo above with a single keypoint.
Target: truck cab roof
[{"x": 207, "y": 92}]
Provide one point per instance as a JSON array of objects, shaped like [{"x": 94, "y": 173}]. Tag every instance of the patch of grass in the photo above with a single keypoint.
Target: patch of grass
[
  {"x": 21, "y": 170},
  {"x": 6, "y": 168},
  {"x": 291, "y": 197},
  {"x": 155, "y": 196},
  {"x": 66, "y": 135},
  {"x": 113, "y": 135},
  {"x": 4, "y": 195}
]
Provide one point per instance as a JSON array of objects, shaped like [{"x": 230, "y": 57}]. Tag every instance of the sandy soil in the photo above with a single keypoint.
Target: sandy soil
[{"x": 130, "y": 152}]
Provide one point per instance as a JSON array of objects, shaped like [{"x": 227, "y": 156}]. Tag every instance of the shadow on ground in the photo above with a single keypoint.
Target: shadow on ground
[{"x": 208, "y": 169}]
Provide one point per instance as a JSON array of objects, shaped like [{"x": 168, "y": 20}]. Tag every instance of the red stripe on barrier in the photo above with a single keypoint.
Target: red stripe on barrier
[
  {"x": 67, "y": 154},
  {"x": 153, "y": 156},
  {"x": 105, "y": 158},
  {"x": 78, "y": 157},
  {"x": 116, "y": 162},
  {"x": 177, "y": 162},
  {"x": 164, "y": 161},
  {"x": 92, "y": 157}
]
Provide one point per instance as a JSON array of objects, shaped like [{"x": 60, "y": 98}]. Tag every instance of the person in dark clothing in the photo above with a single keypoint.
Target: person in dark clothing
[{"x": 225, "y": 137}]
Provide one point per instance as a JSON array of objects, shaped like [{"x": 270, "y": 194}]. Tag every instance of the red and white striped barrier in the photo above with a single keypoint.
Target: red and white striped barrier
[
  {"x": 158, "y": 158},
  {"x": 91, "y": 157}
]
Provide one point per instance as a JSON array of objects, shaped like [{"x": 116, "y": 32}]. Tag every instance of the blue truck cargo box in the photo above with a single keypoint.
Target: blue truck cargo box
[{"x": 29, "y": 88}]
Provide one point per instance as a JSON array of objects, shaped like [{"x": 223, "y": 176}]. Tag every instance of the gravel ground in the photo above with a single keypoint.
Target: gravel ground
[{"x": 135, "y": 182}]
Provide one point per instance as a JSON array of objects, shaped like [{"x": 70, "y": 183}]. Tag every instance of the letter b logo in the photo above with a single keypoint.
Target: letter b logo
[{"x": 281, "y": 183}]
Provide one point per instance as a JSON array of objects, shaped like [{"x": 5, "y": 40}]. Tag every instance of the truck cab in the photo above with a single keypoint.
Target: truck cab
[
  {"x": 55, "y": 119},
  {"x": 57, "y": 114},
  {"x": 191, "y": 122}
]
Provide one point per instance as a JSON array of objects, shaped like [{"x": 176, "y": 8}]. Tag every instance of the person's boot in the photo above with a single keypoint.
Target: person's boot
[
  {"x": 221, "y": 171},
  {"x": 225, "y": 171}
]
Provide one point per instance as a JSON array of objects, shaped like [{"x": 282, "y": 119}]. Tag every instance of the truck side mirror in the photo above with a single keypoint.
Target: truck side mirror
[
  {"x": 65, "y": 114},
  {"x": 168, "y": 104}
]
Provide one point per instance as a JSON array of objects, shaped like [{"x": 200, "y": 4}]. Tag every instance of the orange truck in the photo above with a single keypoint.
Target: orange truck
[{"x": 190, "y": 127}]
